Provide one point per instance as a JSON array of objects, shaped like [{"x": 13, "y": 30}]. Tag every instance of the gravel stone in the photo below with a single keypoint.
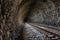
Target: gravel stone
[{"x": 32, "y": 34}]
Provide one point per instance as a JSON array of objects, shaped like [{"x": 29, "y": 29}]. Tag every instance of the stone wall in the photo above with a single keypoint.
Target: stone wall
[
  {"x": 12, "y": 13},
  {"x": 8, "y": 15},
  {"x": 46, "y": 12}
]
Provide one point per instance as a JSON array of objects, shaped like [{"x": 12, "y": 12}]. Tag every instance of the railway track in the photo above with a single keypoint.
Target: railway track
[
  {"x": 53, "y": 34},
  {"x": 49, "y": 26}
]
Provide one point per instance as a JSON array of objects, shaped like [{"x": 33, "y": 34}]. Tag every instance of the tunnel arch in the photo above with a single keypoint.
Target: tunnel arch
[{"x": 15, "y": 12}]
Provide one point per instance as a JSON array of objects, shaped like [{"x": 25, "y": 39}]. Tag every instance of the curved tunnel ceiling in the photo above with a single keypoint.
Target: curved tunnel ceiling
[
  {"x": 42, "y": 11},
  {"x": 24, "y": 8}
]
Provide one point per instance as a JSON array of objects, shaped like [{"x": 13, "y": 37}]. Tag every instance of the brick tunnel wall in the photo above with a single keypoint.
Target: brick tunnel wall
[{"x": 46, "y": 12}]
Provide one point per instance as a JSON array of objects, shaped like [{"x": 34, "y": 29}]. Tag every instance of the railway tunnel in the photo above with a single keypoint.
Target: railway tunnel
[{"x": 16, "y": 17}]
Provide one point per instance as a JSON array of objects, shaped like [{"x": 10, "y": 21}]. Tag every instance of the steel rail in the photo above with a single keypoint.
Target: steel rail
[{"x": 46, "y": 30}]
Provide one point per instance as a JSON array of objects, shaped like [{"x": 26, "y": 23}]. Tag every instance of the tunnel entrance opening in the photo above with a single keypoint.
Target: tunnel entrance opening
[
  {"x": 29, "y": 12},
  {"x": 26, "y": 18}
]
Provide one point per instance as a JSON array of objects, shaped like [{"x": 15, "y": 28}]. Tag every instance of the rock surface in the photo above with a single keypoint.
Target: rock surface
[{"x": 46, "y": 12}]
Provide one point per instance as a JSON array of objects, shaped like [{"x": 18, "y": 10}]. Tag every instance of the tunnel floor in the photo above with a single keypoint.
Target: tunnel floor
[{"x": 32, "y": 34}]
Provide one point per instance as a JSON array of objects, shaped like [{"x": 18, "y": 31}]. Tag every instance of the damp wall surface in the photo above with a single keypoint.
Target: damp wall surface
[
  {"x": 9, "y": 30},
  {"x": 12, "y": 13},
  {"x": 46, "y": 12}
]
